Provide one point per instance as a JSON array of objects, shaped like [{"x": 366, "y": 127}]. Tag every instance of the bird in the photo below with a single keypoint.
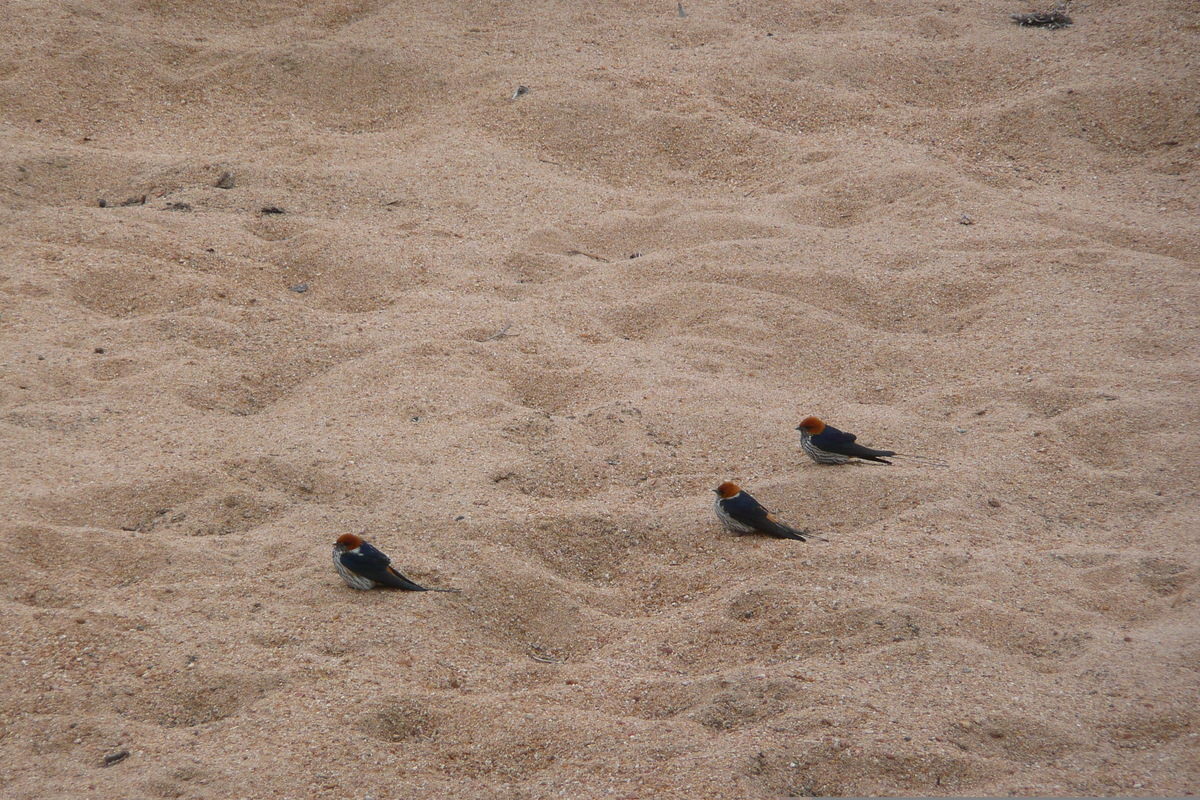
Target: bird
[
  {"x": 741, "y": 513},
  {"x": 363, "y": 566},
  {"x": 825, "y": 444}
]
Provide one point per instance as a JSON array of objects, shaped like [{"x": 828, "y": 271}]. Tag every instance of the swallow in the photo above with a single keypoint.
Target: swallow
[
  {"x": 741, "y": 513},
  {"x": 825, "y": 444},
  {"x": 365, "y": 567}
]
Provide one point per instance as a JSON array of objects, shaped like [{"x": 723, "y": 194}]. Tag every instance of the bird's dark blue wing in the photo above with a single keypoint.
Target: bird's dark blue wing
[
  {"x": 374, "y": 565},
  {"x": 834, "y": 441},
  {"x": 379, "y": 570},
  {"x": 747, "y": 510},
  {"x": 367, "y": 563},
  {"x": 751, "y": 512},
  {"x": 832, "y": 435}
]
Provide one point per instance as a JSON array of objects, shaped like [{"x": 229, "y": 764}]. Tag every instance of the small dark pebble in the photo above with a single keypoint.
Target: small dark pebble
[
  {"x": 1045, "y": 19},
  {"x": 225, "y": 181},
  {"x": 115, "y": 758},
  {"x": 271, "y": 210},
  {"x": 299, "y": 288},
  {"x": 993, "y": 502},
  {"x": 103, "y": 203},
  {"x": 520, "y": 91},
  {"x": 459, "y": 518},
  {"x": 99, "y": 350}
]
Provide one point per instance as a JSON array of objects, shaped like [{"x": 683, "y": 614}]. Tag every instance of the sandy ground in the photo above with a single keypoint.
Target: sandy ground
[{"x": 515, "y": 340}]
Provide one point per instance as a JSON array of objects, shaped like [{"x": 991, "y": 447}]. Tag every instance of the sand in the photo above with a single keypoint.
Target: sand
[{"x": 515, "y": 339}]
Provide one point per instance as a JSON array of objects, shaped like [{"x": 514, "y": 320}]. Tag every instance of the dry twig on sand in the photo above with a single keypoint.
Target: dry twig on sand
[{"x": 500, "y": 334}]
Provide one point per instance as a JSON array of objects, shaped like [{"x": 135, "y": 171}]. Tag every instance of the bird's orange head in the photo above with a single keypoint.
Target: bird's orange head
[
  {"x": 349, "y": 541},
  {"x": 727, "y": 490},
  {"x": 811, "y": 425}
]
